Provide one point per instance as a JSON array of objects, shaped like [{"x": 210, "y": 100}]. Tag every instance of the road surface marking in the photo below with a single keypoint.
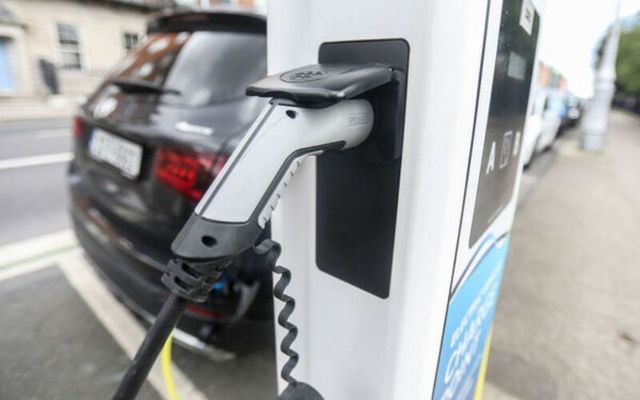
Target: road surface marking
[
  {"x": 53, "y": 133},
  {"x": 35, "y": 254},
  {"x": 37, "y": 135},
  {"x": 120, "y": 323},
  {"x": 25, "y": 269},
  {"x": 21, "y": 162},
  {"x": 33, "y": 265},
  {"x": 31, "y": 255},
  {"x": 37, "y": 248}
]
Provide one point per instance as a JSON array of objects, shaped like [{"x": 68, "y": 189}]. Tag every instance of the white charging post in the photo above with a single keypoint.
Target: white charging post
[{"x": 418, "y": 325}]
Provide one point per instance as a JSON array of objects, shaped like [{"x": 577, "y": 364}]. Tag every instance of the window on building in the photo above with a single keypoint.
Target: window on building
[
  {"x": 69, "y": 47},
  {"x": 131, "y": 40}
]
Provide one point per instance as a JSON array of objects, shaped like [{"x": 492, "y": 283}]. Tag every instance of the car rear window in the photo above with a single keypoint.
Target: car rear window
[{"x": 197, "y": 68}]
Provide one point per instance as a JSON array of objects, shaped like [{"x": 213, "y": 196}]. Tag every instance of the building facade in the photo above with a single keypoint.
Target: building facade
[
  {"x": 549, "y": 77},
  {"x": 50, "y": 47},
  {"x": 260, "y": 5}
]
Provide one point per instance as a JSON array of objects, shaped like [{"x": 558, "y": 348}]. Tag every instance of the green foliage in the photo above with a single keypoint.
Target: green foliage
[{"x": 628, "y": 62}]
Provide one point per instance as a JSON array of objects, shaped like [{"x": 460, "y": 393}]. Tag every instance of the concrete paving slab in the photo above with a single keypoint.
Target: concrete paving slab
[{"x": 55, "y": 347}]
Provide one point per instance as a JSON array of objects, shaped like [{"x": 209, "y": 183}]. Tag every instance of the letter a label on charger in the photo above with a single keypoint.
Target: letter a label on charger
[{"x": 491, "y": 160}]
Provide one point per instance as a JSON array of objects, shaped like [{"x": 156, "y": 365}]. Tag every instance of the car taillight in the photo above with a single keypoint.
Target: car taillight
[
  {"x": 203, "y": 312},
  {"x": 78, "y": 127},
  {"x": 187, "y": 172}
]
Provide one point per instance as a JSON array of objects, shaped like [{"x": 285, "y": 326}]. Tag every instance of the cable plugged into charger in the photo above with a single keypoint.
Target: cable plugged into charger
[
  {"x": 314, "y": 109},
  {"x": 295, "y": 389}
]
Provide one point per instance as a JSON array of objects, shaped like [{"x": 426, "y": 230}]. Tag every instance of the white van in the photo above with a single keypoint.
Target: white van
[{"x": 543, "y": 123}]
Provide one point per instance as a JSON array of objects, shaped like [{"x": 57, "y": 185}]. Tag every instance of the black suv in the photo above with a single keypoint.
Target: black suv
[{"x": 149, "y": 142}]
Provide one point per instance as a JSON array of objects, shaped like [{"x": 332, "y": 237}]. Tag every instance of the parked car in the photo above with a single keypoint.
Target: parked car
[
  {"x": 573, "y": 112},
  {"x": 543, "y": 123},
  {"x": 149, "y": 142}
]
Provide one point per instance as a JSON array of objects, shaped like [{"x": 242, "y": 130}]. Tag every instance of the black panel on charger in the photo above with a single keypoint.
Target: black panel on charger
[
  {"x": 321, "y": 85},
  {"x": 357, "y": 189}
]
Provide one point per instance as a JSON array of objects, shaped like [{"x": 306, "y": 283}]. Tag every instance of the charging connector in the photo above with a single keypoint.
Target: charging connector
[{"x": 313, "y": 109}]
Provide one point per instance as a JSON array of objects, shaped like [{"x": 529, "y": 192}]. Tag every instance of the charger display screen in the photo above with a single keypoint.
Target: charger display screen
[{"x": 514, "y": 64}]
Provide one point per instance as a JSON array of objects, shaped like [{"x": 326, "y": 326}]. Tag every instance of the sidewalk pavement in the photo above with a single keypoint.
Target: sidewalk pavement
[{"x": 568, "y": 321}]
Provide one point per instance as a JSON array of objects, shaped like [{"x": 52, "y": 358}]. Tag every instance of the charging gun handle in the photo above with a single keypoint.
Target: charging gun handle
[{"x": 236, "y": 208}]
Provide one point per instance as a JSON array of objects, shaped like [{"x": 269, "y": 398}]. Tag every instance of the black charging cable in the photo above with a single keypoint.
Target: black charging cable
[
  {"x": 295, "y": 389},
  {"x": 191, "y": 281},
  {"x": 157, "y": 335},
  {"x": 187, "y": 281}
]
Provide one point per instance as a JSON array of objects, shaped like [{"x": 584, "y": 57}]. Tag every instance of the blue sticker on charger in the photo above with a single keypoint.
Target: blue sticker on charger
[{"x": 468, "y": 323}]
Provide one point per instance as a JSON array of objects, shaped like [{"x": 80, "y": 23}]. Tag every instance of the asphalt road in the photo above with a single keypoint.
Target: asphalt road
[{"x": 32, "y": 177}]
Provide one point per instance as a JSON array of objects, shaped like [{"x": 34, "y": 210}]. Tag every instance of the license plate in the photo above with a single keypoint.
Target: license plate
[{"x": 121, "y": 153}]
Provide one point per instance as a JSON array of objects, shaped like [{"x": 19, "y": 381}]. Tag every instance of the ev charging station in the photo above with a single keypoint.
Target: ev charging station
[
  {"x": 388, "y": 164},
  {"x": 396, "y": 262}
]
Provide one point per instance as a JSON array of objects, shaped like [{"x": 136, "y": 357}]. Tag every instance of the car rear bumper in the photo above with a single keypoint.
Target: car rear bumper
[
  {"x": 133, "y": 273},
  {"x": 133, "y": 281},
  {"x": 133, "y": 262}
]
